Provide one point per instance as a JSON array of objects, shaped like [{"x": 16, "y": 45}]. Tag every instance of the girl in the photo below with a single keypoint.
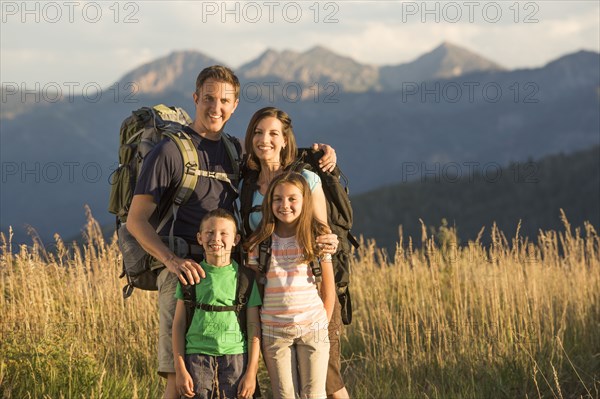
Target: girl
[
  {"x": 294, "y": 317},
  {"x": 270, "y": 144}
]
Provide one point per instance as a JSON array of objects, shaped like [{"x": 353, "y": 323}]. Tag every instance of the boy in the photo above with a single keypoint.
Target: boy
[{"x": 213, "y": 359}]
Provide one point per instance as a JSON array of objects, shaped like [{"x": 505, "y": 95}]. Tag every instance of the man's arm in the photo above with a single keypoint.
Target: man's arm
[
  {"x": 329, "y": 159},
  {"x": 319, "y": 204},
  {"x": 142, "y": 208},
  {"x": 327, "y": 242}
]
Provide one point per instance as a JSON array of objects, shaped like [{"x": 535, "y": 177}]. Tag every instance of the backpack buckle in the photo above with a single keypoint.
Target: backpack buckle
[{"x": 190, "y": 168}]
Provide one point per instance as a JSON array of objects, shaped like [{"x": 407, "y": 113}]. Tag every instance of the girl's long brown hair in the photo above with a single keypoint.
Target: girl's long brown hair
[{"x": 307, "y": 228}]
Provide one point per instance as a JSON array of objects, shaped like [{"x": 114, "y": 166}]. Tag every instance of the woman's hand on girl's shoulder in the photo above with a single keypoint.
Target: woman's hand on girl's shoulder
[{"x": 328, "y": 243}]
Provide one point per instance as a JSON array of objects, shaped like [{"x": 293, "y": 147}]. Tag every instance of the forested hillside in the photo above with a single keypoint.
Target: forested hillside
[{"x": 532, "y": 192}]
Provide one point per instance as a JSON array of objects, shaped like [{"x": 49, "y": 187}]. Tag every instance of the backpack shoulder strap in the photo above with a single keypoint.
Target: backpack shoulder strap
[
  {"x": 188, "y": 180},
  {"x": 249, "y": 186},
  {"x": 189, "y": 298},
  {"x": 245, "y": 282},
  {"x": 190, "y": 161},
  {"x": 264, "y": 259},
  {"x": 234, "y": 149},
  {"x": 230, "y": 178},
  {"x": 246, "y": 277},
  {"x": 301, "y": 162}
]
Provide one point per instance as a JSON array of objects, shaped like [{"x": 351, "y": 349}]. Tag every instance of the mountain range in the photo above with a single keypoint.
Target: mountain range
[
  {"x": 449, "y": 106},
  {"x": 316, "y": 66},
  {"x": 317, "y": 69}
]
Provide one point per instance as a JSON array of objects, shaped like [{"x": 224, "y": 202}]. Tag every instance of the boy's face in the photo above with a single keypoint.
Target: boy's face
[
  {"x": 218, "y": 236},
  {"x": 215, "y": 102}
]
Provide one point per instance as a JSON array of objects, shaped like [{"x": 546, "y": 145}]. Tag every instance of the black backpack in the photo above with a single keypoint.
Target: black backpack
[{"x": 339, "y": 218}]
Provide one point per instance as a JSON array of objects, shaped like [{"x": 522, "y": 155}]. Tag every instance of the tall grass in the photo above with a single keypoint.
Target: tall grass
[{"x": 513, "y": 320}]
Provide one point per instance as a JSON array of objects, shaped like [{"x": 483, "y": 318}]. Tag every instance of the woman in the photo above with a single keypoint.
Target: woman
[{"x": 271, "y": 148}]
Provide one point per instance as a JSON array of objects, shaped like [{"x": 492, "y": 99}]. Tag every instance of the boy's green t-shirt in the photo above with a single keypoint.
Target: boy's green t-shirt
[{"x": 217, "y": 333}]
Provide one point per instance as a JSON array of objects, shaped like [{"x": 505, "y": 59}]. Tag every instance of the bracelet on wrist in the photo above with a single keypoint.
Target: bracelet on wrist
[{"x": 326, "y": 257}]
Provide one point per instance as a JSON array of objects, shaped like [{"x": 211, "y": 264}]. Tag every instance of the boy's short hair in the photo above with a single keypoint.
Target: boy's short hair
[
  {"x": 219, "y": 73},
  {"x": 220, "y": 213}
]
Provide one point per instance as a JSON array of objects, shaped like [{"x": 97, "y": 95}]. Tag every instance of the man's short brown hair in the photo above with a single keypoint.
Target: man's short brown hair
[{"x": 219, "y": 73}]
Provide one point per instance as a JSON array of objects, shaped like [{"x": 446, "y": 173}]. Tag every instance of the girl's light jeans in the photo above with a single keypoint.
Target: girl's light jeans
[{"x": 298, "y": 366}]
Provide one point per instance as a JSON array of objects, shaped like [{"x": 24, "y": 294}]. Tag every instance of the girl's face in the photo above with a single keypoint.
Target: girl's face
[
  {"x": 287, "y": 203},
  {"x": 268, "y": 140}
]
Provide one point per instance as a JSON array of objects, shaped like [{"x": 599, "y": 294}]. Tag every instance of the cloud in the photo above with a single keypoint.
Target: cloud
[
  {"x": 380, "y": 33},
  {"x": 390, "y": 45}
]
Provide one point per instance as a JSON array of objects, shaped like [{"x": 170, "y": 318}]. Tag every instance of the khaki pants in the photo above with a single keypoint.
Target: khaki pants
[
  {"x": 297, "y": 367},
  {"x": 167, "y": 282}
]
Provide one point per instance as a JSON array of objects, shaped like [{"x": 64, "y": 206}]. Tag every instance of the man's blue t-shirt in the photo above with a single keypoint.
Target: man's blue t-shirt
[{"x": 161, "y": 174}]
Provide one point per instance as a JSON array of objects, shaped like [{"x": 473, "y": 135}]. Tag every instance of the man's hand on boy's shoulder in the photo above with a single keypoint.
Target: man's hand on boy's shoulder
[
  {"x": 329, "y": 158},
  {"x": 186, "y": 270}
]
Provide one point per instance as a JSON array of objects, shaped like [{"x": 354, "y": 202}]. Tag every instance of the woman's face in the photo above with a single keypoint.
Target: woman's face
[{"x": 268, "y": 140}]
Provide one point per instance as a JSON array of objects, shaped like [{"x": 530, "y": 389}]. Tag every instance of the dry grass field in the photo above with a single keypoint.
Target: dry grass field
[{"x": 515, "y": 319}]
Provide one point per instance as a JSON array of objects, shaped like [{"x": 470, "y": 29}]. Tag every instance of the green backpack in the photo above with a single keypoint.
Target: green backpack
[{"x": 139, "y": 134}]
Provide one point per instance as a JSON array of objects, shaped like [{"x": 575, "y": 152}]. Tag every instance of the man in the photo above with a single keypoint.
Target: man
[{"x": 215, "y": 99}]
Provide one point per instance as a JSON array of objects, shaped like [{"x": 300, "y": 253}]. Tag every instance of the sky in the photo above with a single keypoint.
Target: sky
[{"x": 59, "y": 42}]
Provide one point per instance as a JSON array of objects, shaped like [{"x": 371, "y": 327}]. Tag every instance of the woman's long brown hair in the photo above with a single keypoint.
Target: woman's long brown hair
[
  {"x": 288, "y": 154},
  {"x": 307, "y": 228}
]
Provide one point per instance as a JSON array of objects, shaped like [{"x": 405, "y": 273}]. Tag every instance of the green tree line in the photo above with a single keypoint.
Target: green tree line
[{"x": 532, "y": 192}]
